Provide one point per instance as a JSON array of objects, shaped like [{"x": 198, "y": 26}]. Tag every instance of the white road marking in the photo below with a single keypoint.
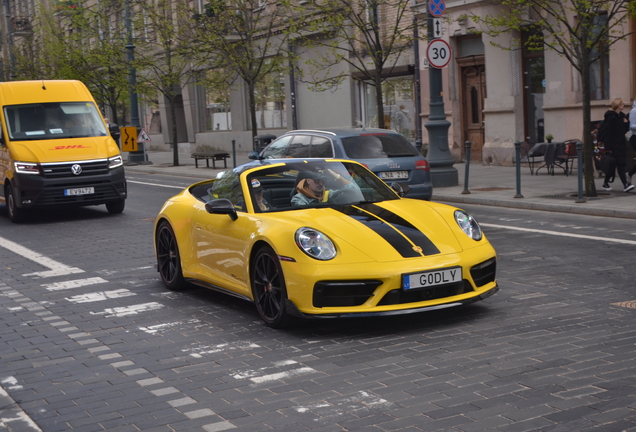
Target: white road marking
[
  {"x": 160, "y": 328},
  {"x": 11, "y": 383},
  {"x": 57, "y": 269},
  {"x": 360, "y": 401},
  {"x": 562, "y": 234},
  {"x": 100, "y": 295},
  {"x": 201, "y": 350},
  {"x": 73, "y": 284},
  {"x": 156, "y": 184},
  {"x": 282, "y": 375},
  {"x": 257, "y": 377},
  {"x": 129, "y": 310}
]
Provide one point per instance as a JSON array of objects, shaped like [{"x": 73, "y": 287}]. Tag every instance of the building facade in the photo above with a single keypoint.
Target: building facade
[{"x": 495, "y": 91}]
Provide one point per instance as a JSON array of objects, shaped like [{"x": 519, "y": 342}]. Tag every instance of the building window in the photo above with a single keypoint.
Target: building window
[
  {"x": 271, "y": 109},
  {"x": 213, "y": 100},
  {"x": 399, "y": 109},
  {"x": 599, "y": 69}
]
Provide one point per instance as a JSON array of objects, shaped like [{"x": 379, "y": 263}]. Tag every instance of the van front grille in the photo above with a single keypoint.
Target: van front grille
[{"x": 63, "y": 170}]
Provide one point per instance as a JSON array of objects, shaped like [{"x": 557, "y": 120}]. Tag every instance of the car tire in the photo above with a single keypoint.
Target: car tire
[
  {"x": 168, "y": 258},
  {"x": 115, "y": 207},
  {"x": 16, "y": 214},
  {"x": 268, "y": 288}
]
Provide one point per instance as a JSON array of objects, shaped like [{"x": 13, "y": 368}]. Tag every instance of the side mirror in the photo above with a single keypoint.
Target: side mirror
[
  {"x": 400, "y": 188},
  {"x": 253, "y": 155},
  {"x": 221, "y": 206}
]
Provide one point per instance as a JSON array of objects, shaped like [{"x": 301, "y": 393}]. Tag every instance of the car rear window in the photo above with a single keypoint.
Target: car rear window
[{"x": 377, "y": 146}]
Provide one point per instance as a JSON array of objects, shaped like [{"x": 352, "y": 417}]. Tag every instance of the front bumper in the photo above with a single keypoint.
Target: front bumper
[
  {"x": 36, "y": 191},
  {"x": 332, "y": 290},
  {"x": 293, "y": 310}
]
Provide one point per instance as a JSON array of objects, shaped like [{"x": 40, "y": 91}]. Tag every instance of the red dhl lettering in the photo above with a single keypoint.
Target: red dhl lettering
[{"x": 68, "y": 147}]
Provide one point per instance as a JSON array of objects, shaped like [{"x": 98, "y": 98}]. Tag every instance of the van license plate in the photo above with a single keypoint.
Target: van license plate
[
  {"x": 390, "y": 175},
  {"x": 432, "y": 278},
  {"x": 79, "y": 191}
]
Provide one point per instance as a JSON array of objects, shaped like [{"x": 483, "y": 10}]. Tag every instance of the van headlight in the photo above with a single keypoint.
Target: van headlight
[
  {"x": 26, "y": 168},
  {"x": 315, "y": 244},
  {"x": 115, "y": 161},
  {"x": 468, "y": 224}
]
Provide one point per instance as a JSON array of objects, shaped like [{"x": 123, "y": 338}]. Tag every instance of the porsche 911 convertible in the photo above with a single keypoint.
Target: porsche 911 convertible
[{"x": 321, "y": 239}]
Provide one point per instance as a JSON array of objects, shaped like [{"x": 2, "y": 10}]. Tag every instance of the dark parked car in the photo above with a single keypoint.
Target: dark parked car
[{"x": 387, "y": 153}]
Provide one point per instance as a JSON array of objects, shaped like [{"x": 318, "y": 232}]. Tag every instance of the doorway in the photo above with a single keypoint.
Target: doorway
[{"x": 472, "y": 104}]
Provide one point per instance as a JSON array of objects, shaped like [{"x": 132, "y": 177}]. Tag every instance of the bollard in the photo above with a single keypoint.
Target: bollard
[
  {"x": 518, "y": 164},
  {"x": 234, "y": 152},
  {"x": 579, "y": 166},
  {"x": 466, "y": 191}
]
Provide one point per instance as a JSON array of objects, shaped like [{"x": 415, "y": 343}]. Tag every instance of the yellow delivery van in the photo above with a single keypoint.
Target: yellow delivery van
[{"x": 55, "y": 149}]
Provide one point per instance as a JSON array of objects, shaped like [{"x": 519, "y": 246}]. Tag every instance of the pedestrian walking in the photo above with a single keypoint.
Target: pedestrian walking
[
  {"x": 612, "y": 133},
  {"x": 632, "y": 138}
]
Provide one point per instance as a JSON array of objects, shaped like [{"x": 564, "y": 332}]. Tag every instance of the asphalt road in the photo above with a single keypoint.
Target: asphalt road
[{"x": 90, "y": 340}]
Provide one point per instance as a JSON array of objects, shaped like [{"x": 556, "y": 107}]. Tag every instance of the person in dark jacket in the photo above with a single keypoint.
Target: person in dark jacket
[{"x": 615, "y": 126}]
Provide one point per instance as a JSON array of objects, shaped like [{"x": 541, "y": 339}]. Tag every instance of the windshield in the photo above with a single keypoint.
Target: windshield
[
  {"x": 47, "y": 121},
  {"x": 378, "y": 146},
  {"x": 315, "y": 184}
]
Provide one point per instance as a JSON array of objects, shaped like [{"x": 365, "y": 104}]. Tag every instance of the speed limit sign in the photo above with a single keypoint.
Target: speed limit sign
[{"x": 438, "y": 53}]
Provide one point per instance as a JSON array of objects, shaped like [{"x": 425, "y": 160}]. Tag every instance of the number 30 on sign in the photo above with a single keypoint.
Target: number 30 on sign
[{"x": 438, "y": 53}]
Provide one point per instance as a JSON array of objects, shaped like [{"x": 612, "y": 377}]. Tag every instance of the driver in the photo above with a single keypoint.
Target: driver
[{"x": 311, "y": 189}]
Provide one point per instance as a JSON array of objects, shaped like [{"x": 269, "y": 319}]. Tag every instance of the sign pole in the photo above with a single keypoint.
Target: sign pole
[{"x": 439, "y": 156}]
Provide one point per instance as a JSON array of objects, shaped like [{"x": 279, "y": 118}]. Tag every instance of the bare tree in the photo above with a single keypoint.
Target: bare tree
[
  {"x": 582, "y": 31},
  {"x": 368, "y": 35},
  {"x": 247, "y": 40},
  {"x": 163, "y": 60},
  {"x": 78, "y": 43}
]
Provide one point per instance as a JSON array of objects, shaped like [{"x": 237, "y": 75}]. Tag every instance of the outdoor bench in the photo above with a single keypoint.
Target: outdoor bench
[{"x": 210, "y": 156}]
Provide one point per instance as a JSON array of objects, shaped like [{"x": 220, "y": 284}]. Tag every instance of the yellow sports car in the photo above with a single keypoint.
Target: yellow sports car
[{"x": 321, "y": 239}]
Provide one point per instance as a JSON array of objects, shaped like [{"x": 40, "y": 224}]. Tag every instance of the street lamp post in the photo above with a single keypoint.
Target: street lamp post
[
  {"x": 138, "y": 156},
  {"x": 439, "y": 156}
]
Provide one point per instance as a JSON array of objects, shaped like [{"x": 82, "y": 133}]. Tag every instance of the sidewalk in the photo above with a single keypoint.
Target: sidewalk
[{"x": 488, "y": 185}]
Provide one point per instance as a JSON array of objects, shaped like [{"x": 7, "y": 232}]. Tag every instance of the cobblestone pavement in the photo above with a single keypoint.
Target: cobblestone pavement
[{"x": 94, "y": 345}]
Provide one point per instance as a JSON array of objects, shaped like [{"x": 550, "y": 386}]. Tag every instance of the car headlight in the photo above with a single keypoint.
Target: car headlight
[
  {"x": 26, "y": 168},
  {"x": 115, "y": 162},
  {"x": 315, "y": 244},
  {"x": 468, "y": 224}
]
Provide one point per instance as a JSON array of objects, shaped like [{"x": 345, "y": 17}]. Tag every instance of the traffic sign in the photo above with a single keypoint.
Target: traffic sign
[
  {"x": 436, "y": 7},
  {"x": 143, "y": 136},
  {"x": 439, "y": 53},
  {"x": 129, "y": 138},
  {"x": 437, "y": 28}
]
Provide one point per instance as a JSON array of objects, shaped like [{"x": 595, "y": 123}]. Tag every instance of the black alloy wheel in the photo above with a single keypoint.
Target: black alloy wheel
[
  {"x": 268, "y": 288},
  {"x": 168, "y": 258}
]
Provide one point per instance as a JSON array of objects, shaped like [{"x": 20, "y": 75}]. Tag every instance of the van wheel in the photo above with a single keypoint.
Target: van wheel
[
  {"x": 16, "y": 214},
  {"x": 115, "y": 207}
]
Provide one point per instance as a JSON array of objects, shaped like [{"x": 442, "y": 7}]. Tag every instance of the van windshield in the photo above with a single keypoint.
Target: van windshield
[{"x": 47, "y": 121}]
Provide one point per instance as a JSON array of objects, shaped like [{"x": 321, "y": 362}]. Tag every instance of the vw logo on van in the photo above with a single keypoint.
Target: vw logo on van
[{"x": 76, "y": 169}]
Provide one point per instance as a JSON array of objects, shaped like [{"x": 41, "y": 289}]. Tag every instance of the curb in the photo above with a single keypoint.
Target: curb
[{"x": 530, "y": 205}]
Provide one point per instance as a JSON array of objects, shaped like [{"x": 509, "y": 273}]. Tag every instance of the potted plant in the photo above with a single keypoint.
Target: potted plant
[{"x": 549, "y": 138}]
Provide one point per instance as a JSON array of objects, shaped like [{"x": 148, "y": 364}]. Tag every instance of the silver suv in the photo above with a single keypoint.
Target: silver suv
[{"x": 387, "y": 153}]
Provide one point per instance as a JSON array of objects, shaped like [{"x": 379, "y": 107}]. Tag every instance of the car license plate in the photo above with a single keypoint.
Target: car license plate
[
  {"x": 432, "y": 278},
  {"x": 390, "y": 175},
  {"x": 79, "y": 191}
]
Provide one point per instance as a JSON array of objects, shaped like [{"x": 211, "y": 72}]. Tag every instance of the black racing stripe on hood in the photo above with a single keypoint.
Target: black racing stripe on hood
[
  {"x": 384, "y": 230},
  {"x": 405, "y": 227}
]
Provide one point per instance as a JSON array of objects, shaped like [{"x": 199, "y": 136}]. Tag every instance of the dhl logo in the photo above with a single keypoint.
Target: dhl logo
[{"x": 68, "y": 147}]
